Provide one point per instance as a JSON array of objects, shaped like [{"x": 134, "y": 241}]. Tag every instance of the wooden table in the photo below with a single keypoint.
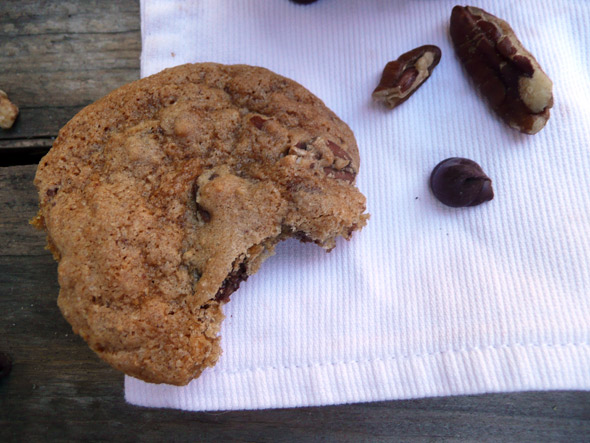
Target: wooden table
[{"x": 56, "y": 57}]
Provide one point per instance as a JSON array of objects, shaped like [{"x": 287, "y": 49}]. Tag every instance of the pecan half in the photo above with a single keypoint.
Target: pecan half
[
  {"x": 8, "y": 111},
  {"x": 402, "y": 77},
  {"x": 502, "y": 69}
]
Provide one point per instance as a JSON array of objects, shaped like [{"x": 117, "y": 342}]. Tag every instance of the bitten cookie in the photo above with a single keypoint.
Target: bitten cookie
[{"x": 160, "y": 198}]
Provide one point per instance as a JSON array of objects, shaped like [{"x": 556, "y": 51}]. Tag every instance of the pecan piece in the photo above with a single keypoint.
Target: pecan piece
[
  {"x": 402, "y": 77},
  {"x": 8, "y": 111},
  {"x": 326, "y": 155},
  {"x": 502, "y": 69},
  {"x": 258, "y": 121},
  {"x": 340, "y": 174}
]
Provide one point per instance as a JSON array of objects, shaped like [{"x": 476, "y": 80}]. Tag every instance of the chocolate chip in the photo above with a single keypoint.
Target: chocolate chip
[
  {"x": 52, "y": 191},
  {"x": 460, "y": 182},
  {"x": 232, "y": 283},
  {"x": 195, "y": 190},
  {"x": 203, "y": 213},
  {"x": 302, "y": 237},
  {"x": 5, "y": 365}
]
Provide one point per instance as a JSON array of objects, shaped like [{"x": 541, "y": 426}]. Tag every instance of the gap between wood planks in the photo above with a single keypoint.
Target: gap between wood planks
[{"x": 24, "y": 151}]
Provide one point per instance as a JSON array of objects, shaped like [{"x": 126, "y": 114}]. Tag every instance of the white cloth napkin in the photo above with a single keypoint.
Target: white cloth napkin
[{"x": 426, "y": 300}]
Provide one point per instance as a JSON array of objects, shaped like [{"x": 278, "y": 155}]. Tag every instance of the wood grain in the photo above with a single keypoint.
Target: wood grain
[
  {"x": 59, "y": 56},
  {"x": 56, "y": 57}
]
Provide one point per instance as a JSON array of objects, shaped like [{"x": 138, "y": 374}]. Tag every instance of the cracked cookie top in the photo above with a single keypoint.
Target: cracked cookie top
[{"x": 160, "y": 198}]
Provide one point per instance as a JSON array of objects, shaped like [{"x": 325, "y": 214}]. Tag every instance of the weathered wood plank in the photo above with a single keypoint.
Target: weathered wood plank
[
  {"x": 58, "y": 56},
  {"x": 26, "y": 143},
  {"x": 51, "y": 16},
  {"x": 18, "y": 204}
]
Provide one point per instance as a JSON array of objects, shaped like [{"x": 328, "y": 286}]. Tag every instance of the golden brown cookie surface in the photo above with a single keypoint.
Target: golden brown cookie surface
[{"x": 161, "y": 197}]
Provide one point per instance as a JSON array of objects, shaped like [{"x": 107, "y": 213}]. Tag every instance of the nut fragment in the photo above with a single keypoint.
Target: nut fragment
[
  {"x": 258, "y": 121},
  {"x": 327, "y": 155},
  {"x": 459, "y": 182},
  {"x": 504, "y": 71},
  {"x": 8, "y": 111},
  {"x": 402, "y": 77}
]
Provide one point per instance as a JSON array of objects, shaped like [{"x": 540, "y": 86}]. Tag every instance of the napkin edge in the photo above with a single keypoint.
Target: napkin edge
[{"x": 493, "y": 369}]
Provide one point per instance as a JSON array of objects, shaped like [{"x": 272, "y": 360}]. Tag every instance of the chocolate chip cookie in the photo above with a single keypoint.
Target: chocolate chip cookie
[{"x": 160, "y": 198}]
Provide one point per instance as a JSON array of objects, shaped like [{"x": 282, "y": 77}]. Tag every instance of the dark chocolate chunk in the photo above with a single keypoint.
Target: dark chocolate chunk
[
  {"x": 232, "y": 283},
  {"x": 460, "y": 182},
  {"x": 52, "y": 191},
  {"x": 203, "y": 214}
]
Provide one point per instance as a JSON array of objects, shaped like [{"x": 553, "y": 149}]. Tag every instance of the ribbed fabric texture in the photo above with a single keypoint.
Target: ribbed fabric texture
[{"x": 426, "y": 300}]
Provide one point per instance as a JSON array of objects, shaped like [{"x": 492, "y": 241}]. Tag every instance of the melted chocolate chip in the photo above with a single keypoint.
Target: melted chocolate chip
[
  {"x": 52, "y": 191},
  {"x": 194, "y": 191},
  {"x": 5, "y": 364},
  {"x": 232, "y": 283},
  {"x": 460, "y": 182},
  {"x": 203, "y": 213},
  {"x": 302, "y": 237}
]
